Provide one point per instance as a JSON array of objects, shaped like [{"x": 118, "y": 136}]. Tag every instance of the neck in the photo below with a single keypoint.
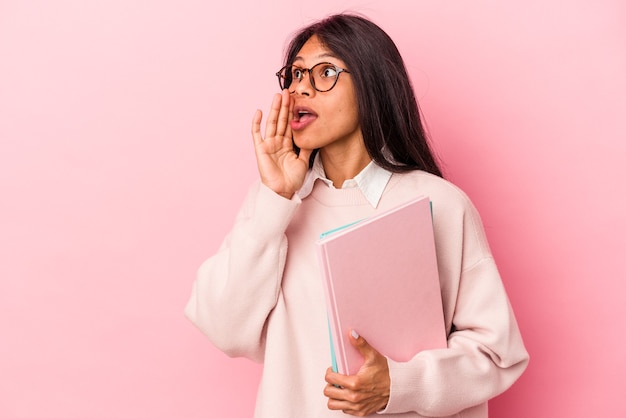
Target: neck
[{"x": 342, "y": 166}]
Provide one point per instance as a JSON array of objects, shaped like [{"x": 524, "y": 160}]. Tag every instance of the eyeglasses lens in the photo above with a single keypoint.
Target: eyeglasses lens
[{"x": 323, "y": 76}]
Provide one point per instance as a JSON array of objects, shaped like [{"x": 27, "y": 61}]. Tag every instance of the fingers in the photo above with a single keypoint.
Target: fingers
[
  {"x": 337, "y": 401},
  {"x": 364, "y": 393},
  {"x": 337, "y": 380},
  {"x": 339, "y": 398},
  {"x": 279, "y": 118},
  {"x": 272, "y": 117},
  {"x": 354, "y": 402},
  {"x": 361, "y": 344},
  {"x": 256, "y": 127},
  {"x": 279, "y": 115},
  {"x": 288, "y": 133},
  {"x": 284, "y": 117}
]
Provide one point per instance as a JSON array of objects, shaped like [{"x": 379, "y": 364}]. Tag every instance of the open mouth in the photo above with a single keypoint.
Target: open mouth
[{"x": 302, "y": 117}]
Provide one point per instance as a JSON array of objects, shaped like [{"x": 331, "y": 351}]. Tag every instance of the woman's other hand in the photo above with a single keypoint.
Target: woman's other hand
[
  {"x": 281, "y": 169},
  {"x": 365, "y": 393}
]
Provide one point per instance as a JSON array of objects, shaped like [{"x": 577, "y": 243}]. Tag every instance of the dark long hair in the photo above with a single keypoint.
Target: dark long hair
[{"x": 388, "y": 112}]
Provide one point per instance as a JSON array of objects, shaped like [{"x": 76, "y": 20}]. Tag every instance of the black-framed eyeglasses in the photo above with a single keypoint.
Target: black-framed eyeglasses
[{"x": 323, "y": 76}]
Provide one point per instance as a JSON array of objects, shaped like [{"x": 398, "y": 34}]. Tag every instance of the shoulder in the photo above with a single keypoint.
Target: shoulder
[
  {"x": 455, "y": 217},
  {"x": 440, "y": 191}
]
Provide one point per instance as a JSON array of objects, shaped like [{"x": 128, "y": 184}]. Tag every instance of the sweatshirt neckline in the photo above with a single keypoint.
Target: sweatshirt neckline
[{"x": 352, "y": 196}]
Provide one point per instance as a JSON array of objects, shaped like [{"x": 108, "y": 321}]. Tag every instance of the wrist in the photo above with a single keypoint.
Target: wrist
[{"x": 286, "y": 195}]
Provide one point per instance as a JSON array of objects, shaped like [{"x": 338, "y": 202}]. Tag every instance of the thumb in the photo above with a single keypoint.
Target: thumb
[{"x": 358, "y": 342}]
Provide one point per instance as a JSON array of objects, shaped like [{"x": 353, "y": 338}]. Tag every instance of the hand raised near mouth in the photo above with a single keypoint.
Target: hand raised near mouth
[{"x": 281, "y": 169}]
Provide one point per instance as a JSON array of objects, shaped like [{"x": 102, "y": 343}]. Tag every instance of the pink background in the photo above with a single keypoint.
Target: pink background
[{"x": 125, "y": 152}]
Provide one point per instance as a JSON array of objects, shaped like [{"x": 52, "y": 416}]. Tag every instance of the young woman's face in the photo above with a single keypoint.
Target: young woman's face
[{"x": 324, "y": 119}]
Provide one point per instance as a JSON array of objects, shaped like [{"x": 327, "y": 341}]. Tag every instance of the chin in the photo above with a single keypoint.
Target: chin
[
  {"x": 308, "y": 141},
  {"x": 302, "y": 143}
]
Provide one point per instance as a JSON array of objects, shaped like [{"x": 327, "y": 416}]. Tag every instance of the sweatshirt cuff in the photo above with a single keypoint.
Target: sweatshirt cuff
[
  {"x": 407, "y": 383},
  {"x": 272, "y": 212}
]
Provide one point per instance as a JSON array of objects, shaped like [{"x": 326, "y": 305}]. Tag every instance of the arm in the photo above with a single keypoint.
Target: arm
[
  {"x": 237, "y": 288},
  {"x": 485, "y": 353}
]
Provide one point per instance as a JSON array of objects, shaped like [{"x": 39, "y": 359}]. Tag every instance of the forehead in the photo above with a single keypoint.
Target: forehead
[{"x": 313, "y": 52}]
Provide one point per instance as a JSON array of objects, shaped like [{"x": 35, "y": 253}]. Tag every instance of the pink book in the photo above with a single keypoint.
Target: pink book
[{"x": 380, "y": 278}]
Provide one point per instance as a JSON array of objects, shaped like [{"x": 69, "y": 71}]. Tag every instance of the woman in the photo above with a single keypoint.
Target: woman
[{"x": 348, "y": 106}]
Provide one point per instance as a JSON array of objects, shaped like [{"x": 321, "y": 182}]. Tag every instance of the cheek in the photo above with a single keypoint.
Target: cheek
[
  {"x": 348, "y": 108},
  {"x": 349, "y": 117}
]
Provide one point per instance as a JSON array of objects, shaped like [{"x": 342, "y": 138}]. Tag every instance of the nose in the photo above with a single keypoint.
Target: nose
[{"x": 303, "y": 87}]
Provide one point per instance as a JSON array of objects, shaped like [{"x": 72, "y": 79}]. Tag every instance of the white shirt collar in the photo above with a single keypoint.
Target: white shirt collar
[{"x": 372, "y": 181}]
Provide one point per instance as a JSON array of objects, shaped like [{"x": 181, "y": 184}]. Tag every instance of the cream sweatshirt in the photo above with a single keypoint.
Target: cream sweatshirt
[{"x": 260, "y": 296}]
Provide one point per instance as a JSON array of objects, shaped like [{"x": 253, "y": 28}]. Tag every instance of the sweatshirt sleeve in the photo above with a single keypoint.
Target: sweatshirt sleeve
[
  {"x": 485, "y": 353},
  {"x": 236, "y": 289}
]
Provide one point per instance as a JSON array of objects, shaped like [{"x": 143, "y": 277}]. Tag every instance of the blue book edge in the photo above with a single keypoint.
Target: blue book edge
[
  {"x": 333, "y": 358},
  {"x": 332, "y": 231}
]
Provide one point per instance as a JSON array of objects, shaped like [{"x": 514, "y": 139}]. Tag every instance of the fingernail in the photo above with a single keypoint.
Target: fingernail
[{"x": 354, "y": 334}]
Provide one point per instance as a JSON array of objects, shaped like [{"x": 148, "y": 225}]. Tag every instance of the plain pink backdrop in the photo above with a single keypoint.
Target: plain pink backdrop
[{"x": 125, "y": 152}]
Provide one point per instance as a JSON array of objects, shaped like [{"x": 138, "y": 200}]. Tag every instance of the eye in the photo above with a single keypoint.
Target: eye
[
  {"x": 328, "y": 71},
  {"x": 297, "y": 73}
]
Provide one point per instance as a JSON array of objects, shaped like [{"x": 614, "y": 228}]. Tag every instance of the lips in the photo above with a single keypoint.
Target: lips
[{"x": 302, "y": 117}]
